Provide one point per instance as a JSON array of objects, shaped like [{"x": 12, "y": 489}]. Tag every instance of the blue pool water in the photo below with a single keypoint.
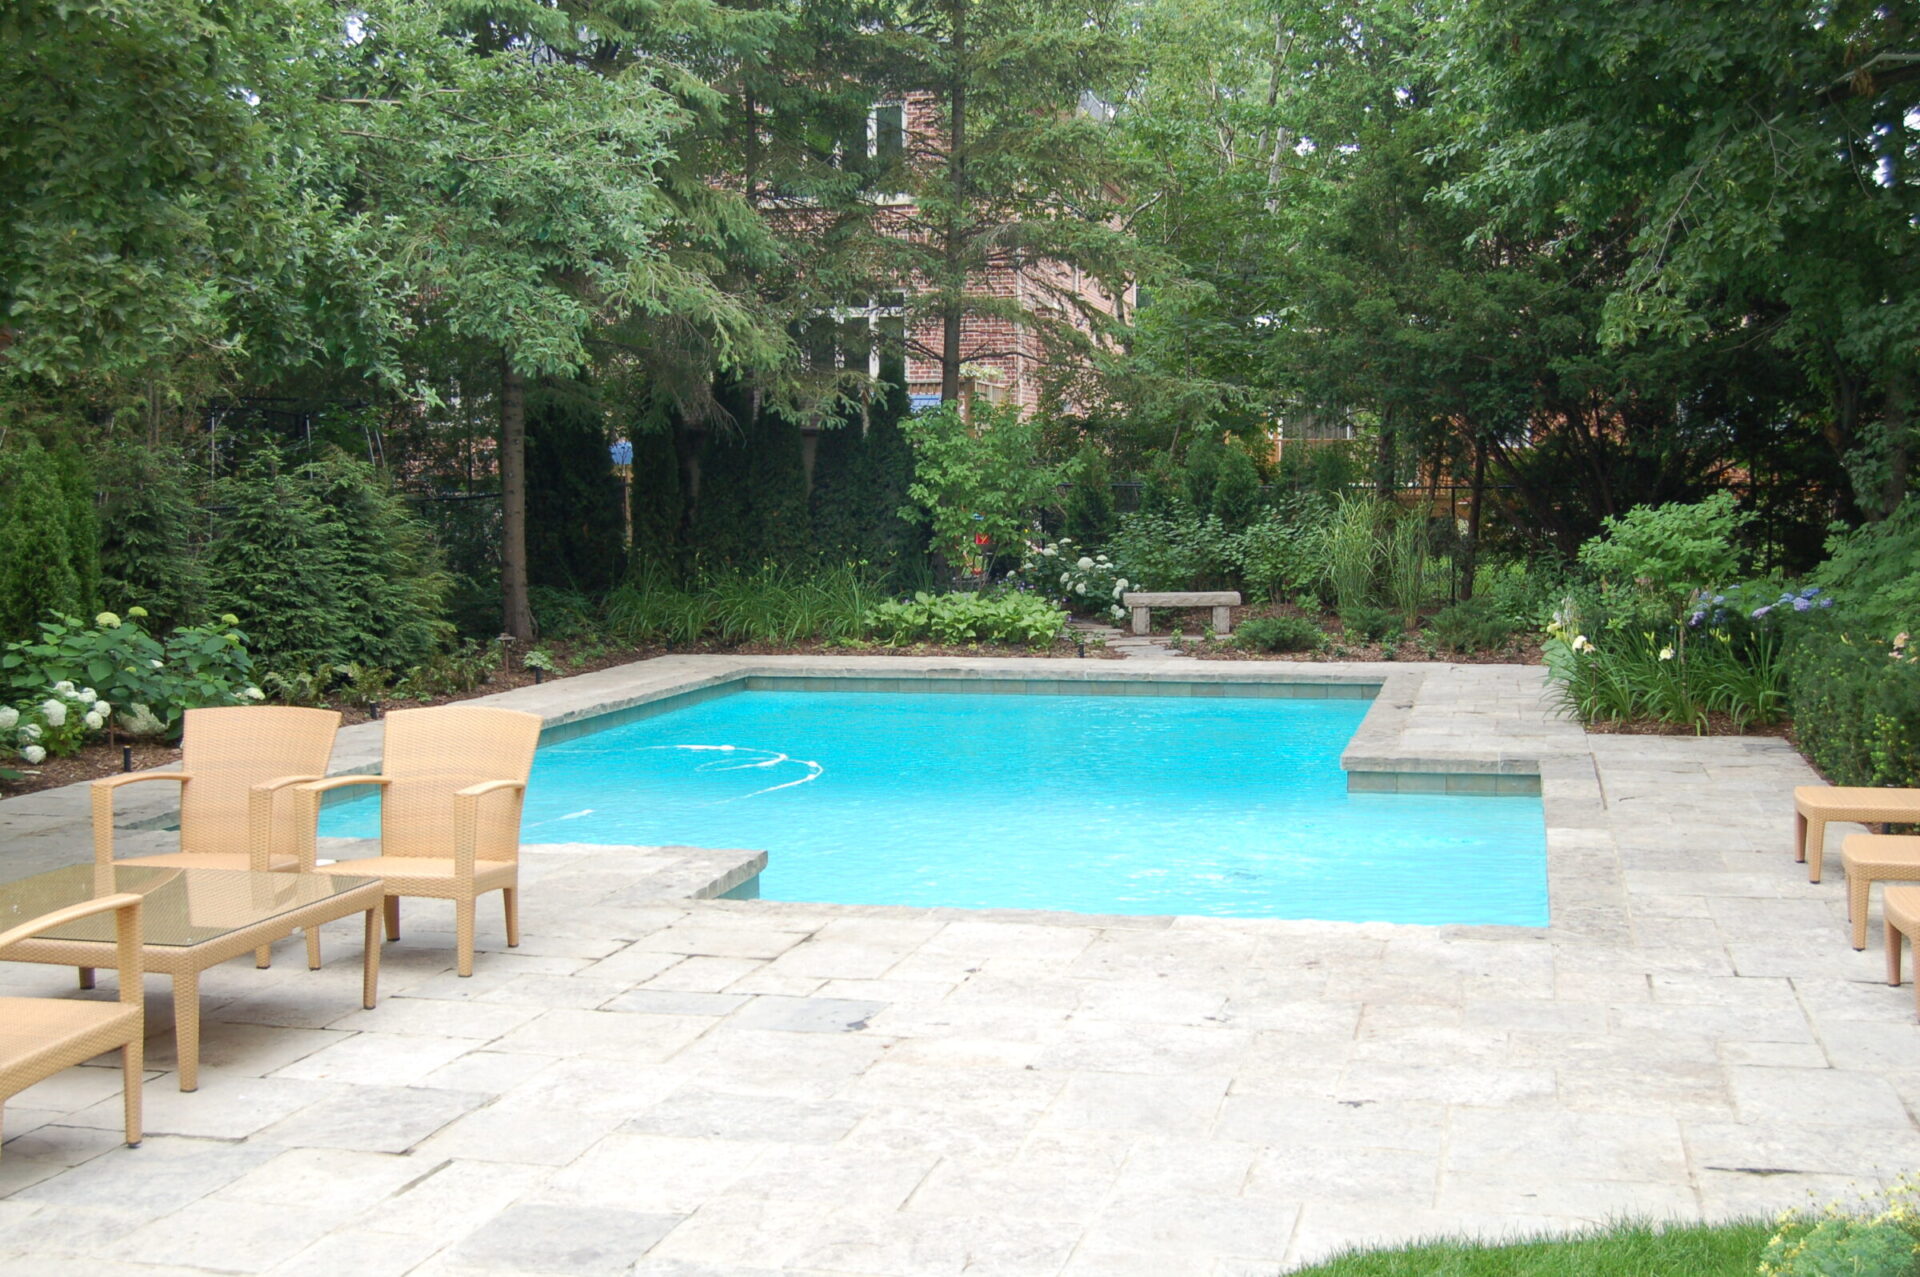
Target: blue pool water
[{"x": 1234, "y": 807}]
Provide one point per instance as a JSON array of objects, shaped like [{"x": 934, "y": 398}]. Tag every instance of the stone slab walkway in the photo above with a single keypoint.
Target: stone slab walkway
[{"x": 656, "y": 1084}]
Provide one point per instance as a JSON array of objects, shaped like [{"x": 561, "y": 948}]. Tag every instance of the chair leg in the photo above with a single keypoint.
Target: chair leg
[
  {"x": 1816, "y": 848},
  {"x": 1894, "y": 942},
  {"x": 1799, "y": 835},
  {"x": 393, "y": 917},
  {"x": 512, "y": 899},
  {"x": 1858, "y": 887},
  {"x": 132, "y": 1062},
  {"x": 463, "y": 923},
  {"x": 86, "y": 977},
  {"x": 263, "y": 957},
  {"x": 313, "y": 948}
]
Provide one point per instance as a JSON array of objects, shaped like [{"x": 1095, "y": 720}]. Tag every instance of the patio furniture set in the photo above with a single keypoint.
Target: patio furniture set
[{"x": 252, "y": 780}]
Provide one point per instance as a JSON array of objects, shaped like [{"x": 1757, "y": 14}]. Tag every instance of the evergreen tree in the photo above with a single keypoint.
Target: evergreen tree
[
  {"x": 1236, "y": 493},
  {"x": 275, "y": 564},
  {"x": 389, "y": 576},
  {"x": 149, "y": 535},
  {"x": 1090, "y": 515},
  {"x": 1015, "y": 171},
  {"x": 37, "y": 576},
  {"x": 656, "y": 503}
]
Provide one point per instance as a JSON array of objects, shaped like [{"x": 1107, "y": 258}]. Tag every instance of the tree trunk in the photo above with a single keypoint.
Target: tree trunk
[
  {"x": 952, "y": 311},
  {"x": 517, "y": 612},
  {"x": 1476, "y": 494}
]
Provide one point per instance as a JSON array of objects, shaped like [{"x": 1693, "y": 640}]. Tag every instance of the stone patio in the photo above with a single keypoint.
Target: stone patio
[{"x": 662, "y": 1084}]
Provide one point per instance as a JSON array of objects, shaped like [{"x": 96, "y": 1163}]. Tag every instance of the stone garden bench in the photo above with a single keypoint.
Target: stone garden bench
[{"x": 1221, "y": 601}]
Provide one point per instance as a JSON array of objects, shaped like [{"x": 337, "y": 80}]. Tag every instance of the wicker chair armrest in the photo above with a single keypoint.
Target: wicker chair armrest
[
  {"x": 102, "y": 795},
  {"x": 306, "y": 825},
  {"x": 486, "y": 787},
  {"x": 260, "y": 819},
  {"x": 340, "y": 782},
  {"x": 466, "y": 819},
  {"x": 134, "y": 778},
  {"x": 72, "y": 913}
]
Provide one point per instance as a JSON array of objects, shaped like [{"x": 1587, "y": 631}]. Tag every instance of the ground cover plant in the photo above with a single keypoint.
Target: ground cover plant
[{"x": 1630, "y": 1250}]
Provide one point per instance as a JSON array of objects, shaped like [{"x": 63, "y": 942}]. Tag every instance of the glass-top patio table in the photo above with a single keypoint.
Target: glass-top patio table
[{"x": 191, "y": 919}]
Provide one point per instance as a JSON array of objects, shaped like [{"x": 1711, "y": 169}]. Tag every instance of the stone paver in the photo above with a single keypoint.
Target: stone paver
[{"x": 659, "y": 1082}]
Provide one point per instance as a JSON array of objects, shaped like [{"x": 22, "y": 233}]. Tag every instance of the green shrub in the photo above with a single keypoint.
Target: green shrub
[
  {"x": 1842, "y": 1241},
  {"x": 1283, "y": 552},
  {"x": 1662, "y": 552},
  {"x": 1476, "y": 626},
  {"x": 388, "y": 573},
  {"x": 967, "y": 618},
  {"x": 1523, "y": 592},
  {"x": 1175, "y": 550},
  {"x": 1280, "y": 634},
  {"x": 1874, "y": 571},
  {"x": 977, "y": 478},
  {"x": 1368, "y": 622},
  {"x": 1856, "y": 707}
]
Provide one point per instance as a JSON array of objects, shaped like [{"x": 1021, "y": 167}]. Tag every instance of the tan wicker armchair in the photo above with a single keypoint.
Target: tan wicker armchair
[
  {"x": 234, "y": 762},
  {"x": 451, "y": 783},
  {"x": 41, "y": 1036}
]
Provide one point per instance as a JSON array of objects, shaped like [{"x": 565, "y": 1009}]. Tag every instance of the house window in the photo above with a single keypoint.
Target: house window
[{"x": 869, "y": 335}]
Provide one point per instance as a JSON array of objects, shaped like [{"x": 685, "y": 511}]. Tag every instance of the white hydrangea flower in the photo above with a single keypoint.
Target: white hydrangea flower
[
  {"x": 9, "y": 718},
  {"x": 63, "y": 686},
  {"x": 1085, "y": 564},
  {"x": 54, "y": 710},
  {"x": 1118, "y": 611},
  {"x": 29, "y": 732},
  {"x": 254, "y": 694},
  {"x": 95, "y": 720},
  {"x": 101, "y": 707},
  {"x": 34, "y": 754},
  {"x": 87, "y": 694},
  {"x": 1065, "y": 577},
  {"x": 1051, "y": 551},
  {"x": 1080, "y": 588},
  {"x": 1122, "y": 583}
]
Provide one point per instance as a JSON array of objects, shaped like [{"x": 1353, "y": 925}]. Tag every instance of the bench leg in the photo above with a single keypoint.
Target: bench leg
[
  {"x": 1142, "y": 620},
  {"x": 1223, "y": 621}
]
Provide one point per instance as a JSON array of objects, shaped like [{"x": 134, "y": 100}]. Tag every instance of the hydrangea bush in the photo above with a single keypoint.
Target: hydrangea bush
[
  {"x": 1084, "y": 584},
  {"x": 79, "y": 680}
]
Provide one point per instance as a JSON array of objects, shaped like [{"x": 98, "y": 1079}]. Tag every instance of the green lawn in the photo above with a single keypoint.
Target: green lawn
[{"x": 1633, "y": 1250}]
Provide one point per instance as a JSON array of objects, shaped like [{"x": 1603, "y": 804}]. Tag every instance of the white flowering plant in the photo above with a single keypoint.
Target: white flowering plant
[
  {"x": 1084, "y": 583},
  {"x": 125, "y": 666},
  {"x": 56, "y": 722}
]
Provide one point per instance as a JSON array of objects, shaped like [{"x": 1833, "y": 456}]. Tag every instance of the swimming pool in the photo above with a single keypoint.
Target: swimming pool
[{"x": 1232, "y": 806}]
